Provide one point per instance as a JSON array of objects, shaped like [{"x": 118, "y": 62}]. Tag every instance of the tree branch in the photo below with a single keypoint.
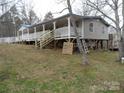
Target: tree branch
[
  {"x": 93, "y": 5},
  {"x": 60, "y": 11}
]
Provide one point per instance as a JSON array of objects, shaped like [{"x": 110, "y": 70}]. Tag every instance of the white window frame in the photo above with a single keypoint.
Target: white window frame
[{"x": 91, "y": 27}]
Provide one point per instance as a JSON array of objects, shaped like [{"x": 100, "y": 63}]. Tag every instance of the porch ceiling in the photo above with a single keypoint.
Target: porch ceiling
[{"x": 59, "y": 23}]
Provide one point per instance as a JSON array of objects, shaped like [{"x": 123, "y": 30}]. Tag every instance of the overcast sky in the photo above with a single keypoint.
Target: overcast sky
[{"x": 41, "y": 7}]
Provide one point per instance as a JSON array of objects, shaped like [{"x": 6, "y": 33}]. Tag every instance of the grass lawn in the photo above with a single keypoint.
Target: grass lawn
[{"x": 24, "y": 69}]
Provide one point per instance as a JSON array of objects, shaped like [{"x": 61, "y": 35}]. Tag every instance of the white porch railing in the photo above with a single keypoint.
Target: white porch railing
[
  {"x": 58, "y": 33},
  {"x": 30, "y": 37},
  {"x": 8, "y": 40},
  {"x": 24, "y": 37},
  {"x": 63, "y": 32}
]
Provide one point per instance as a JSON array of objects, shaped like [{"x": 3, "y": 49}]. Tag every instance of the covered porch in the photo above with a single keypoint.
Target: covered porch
[{"x": 61, "y": 28}]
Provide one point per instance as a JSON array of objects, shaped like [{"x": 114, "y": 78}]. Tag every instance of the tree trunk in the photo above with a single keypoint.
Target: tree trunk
[
  {"x": 121, "y": 48},
  {"x": 119, "y": 34},
  {"x": 79, "y": 43},
  {"x": 121, "y": 45}
]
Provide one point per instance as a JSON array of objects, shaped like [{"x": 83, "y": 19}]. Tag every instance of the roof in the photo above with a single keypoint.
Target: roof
[
  {"x": 74, "y": 15},
  {"x": 112, "y": 30},
  {"x": 23, "y": 27}
]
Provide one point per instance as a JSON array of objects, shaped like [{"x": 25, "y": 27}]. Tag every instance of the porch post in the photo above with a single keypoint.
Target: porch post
[
  {"x": 54, "y": 28},
  {"x": 22, "y": 35},
  {"x": 18, "y": 36},
  {"x": 43, "y": 27},
  {"x": 28, "y": 33},
  {"x": 54, "y": 25},
  {"x": 35, "y": 37},
  {"x": 69, "y": 28},
  {"x": 82, "y": 32},
  {"x": 43, "y": 31},
  {"x": 35, "y": 30}
]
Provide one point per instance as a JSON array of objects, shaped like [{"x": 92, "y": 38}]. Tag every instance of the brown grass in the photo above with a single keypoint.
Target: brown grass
[{"x": 48, "y": 71}]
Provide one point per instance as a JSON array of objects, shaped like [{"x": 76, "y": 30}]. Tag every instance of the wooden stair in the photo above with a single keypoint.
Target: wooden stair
[{"x": 46, "y": 38}]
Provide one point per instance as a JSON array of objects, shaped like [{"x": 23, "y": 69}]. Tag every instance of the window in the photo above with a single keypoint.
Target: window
[
  {"x": 103, "y": 29},
  {"x": 91, "y": 27}
]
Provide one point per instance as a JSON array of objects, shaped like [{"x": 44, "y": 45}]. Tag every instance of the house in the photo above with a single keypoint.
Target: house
[
  {"x": 9, "y": 25},
  {"x": 7, "y": 28},
  {"x": 92, "y": 29}
]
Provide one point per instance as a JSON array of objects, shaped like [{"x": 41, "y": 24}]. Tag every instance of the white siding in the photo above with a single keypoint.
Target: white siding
[
  {"x": 83, "y": 29},
  {"x": 97, "y": 30}
]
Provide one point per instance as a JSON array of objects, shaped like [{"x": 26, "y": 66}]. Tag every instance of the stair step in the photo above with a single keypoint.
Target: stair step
[{"x": 45, "y": 39}]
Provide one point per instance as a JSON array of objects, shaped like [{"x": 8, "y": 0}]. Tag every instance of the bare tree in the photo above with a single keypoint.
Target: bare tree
[
  {"x": 79, "y": 43},
  {"x": 85, "y": 10},
  {"x": 27, "y": 13},
  {"x": 122, "y": 36},
  {"x": 5, "y": 5},
  {"x": 32, "y": 17},
  {"x": 110, "y": 10}
]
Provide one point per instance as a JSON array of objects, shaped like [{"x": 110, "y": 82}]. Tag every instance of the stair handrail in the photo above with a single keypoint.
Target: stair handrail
[{"x": 46, "y": 33}]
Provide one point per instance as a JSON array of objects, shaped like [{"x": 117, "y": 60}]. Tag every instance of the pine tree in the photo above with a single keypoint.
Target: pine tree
[{"x": 48, "y": 16}]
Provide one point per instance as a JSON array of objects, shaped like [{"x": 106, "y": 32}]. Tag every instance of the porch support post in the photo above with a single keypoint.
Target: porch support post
[
  {"x": 54, "y": 25},
  {"x": 43, "y": 27},
  {"x": 54, "y": 28},
  {"x": 28, "y": 33},
  {"x": 35, "y": 37},
  {"x": 69, "y": 28},
  {"x": 22, "y": 35},
  {"x": 17, "y": 36},
  {"x": 82, "y": 32},
  {"x": 43, "y": 31},
  {"x": 35, "y": 30},
  {"x": 107, "y": 44}
]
